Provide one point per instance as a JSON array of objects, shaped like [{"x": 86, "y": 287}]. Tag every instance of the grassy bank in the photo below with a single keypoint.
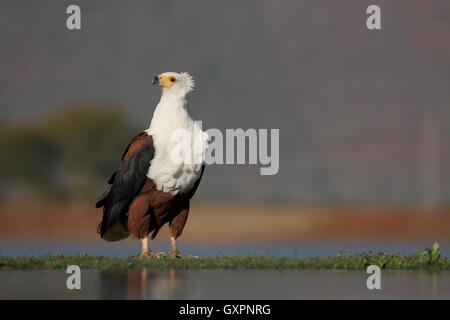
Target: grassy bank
[{"x": 429, "y": 259}]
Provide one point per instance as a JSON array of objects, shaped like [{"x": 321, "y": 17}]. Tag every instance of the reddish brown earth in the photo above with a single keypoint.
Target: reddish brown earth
[{"x": 235, "y": 223}]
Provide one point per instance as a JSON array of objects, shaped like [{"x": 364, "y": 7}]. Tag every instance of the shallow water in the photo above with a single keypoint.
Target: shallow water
[
  {"x": 222, "y": 284},
  {"x": 132, "y": 247}
]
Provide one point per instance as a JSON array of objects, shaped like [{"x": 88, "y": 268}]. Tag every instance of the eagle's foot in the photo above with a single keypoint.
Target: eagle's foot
[
  {"x": 150, "y": 254},
  {"x": 190, "y": 256},
  {"x": 173, "y": 254}
]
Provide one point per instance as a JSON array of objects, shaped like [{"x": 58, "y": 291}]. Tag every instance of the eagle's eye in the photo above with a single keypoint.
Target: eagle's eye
[{"x": 172, "y": 79}]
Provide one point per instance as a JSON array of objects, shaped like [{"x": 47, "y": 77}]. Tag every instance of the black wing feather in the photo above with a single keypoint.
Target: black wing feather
[{"x": 125, "y": 185}]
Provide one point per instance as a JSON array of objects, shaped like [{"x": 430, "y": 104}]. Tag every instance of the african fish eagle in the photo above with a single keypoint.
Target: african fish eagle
[{"x": 150, "y": 189}]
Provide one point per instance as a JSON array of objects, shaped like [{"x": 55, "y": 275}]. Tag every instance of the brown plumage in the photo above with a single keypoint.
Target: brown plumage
[{"x": 152, "y": 208}]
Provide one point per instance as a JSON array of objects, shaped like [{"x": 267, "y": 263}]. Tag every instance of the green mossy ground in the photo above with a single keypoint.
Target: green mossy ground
[{"x": 429, "y": 259}]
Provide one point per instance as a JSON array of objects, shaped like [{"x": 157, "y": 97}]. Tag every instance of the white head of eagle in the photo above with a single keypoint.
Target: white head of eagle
[
  {"x": 175, "y": 84},
  {"x": 150, "y": 189}
]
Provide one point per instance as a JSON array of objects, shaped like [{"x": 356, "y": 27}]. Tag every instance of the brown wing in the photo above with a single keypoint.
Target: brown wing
[{"x": 127, "y": 181}]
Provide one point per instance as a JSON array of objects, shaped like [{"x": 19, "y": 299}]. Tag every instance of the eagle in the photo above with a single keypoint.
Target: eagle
[{"x": 156, "y": 178}]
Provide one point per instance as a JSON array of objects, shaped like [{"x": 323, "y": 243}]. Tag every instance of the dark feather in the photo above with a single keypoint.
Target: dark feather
[{"x": 127, "y": 181}]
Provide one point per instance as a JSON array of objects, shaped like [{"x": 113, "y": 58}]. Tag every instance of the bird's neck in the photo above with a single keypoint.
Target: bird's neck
[
  {"x": 172, "y": 100},
  {"x": 173, "y": 93},
  {"x": 170, "y": 113}
]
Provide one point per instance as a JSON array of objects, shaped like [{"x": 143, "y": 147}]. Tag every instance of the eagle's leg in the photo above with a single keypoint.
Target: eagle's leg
[
  {"x": 174, "y": 253},
  {"x": 147, "y": 253},
  {"x": 176, "y": 226}
]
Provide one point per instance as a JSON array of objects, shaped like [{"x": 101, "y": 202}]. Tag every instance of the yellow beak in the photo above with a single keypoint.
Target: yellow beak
[{"x": 164, "y": 80}]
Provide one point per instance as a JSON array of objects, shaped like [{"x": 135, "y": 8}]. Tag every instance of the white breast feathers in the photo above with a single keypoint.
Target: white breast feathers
[{"x": 180, "y": 147}]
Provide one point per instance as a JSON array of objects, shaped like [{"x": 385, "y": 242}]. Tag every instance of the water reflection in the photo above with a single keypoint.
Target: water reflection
[
  {"x": 223, "y": 284},
  {"x": 141, "y": 284},
  {"x": 434, "y": 284},
  {"x": 269, "y": 284}
]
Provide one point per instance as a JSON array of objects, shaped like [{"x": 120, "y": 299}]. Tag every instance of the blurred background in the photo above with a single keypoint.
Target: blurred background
[{"x": 363, "y": 118}]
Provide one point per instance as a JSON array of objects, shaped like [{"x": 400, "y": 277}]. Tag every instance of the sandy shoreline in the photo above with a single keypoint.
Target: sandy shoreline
[{"x": 239, "y": 222}]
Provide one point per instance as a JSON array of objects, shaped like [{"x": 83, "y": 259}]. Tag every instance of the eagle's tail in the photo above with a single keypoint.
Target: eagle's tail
[{"x": 114, "y": 232}]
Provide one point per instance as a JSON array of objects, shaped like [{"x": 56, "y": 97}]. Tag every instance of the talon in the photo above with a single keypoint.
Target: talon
[
  {"x": 149, "y": 254},
  {"x": 177, "y": 254},
  {"x": 189, "y": 256}
]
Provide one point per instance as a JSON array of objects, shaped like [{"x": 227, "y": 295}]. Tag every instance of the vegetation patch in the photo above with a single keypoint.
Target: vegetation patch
[{"x": 429, "y": 259}]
